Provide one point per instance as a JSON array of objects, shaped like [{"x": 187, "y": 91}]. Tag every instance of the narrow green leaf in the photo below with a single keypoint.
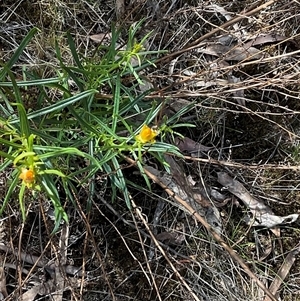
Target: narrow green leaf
[
  {"x": 24, "y": 124},
  {"x": 58, "y": 106},
  {"x": 6, "y": 155},
  {"x": 35, "y": 82},
  {"x": 73, "y": 50},
  {"x": 84, "y": 124},
  {"x": 23, "y": 155},
  {"x": 68, "y": 70},
  {"x": 18, "y": 52},
  {"x": 120, "y": 181},
  {"x": 22, "y": 201},
  {"x": 11, "y": 189},
  {"x": 117, "y": 96},
  {"x": 50, "y": 189}
]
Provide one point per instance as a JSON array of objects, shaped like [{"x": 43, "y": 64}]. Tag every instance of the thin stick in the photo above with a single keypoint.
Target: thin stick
[{"x": 243, "y": 166}]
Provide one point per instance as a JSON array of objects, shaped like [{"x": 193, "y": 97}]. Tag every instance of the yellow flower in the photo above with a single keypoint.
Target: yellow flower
[
  {"x": 28, "y": 176},
  {"x": 146, "y": 135}
]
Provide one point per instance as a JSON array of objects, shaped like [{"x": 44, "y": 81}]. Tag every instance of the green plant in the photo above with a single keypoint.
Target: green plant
[{"x": 42, "y": 142}]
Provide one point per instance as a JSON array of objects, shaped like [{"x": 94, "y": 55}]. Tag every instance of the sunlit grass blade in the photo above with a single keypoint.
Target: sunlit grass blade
[
  {"x": 53, "y": 152},
  {"x": 117, "y": 96},
  {"x": 22, "y": 201},
  {"x": 24, "y": 125},
  {"x": 120, "y": 181},
  {"x": 162, "y": 147},
  {"x": 181, "y": 112},
  {"x": 153, "y": 112},
  {"x": 50, "y": 189},
  {"x": 37, "y": 82},
  {"x": 183, "y": 125},
  {"x": 59, "y": 105}
]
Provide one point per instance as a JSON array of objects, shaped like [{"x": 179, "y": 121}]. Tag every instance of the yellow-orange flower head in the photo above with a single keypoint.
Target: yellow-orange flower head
[
  {"x": 146, "y": 135},
  {"x": 27, "y": 175}
]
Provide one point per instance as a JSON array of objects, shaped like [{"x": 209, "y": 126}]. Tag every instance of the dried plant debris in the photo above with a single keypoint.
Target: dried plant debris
[
  {"x": 262, "y": 214},
  {"x": 191, "y": 147},
  {"x": 231, "y": 53},
  {"x": 3, "y": 290},
  {"x": 176, "y": 181},
  {"x": 102, "y": 38},
  {"x": 48, "y": 265},
  {"x": 47, "y": 288},
  {"x": 41, "y": 289},
  {"x": 283, "y": 271}
]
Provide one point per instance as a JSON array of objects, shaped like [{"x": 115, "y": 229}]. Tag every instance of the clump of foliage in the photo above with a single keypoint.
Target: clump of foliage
[{"x": 41, "y": 142}]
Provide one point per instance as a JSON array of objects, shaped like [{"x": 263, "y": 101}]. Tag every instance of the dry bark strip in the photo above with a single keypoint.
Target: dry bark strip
[{"x": 216, "y": 236}]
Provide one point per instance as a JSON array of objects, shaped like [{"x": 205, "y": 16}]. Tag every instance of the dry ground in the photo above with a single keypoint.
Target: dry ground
[{"x": 246, "y": 109}]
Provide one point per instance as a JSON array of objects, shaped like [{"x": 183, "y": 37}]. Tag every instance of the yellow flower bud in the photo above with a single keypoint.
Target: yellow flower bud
[
  {"x": 146, "y": 134},
  {"x": 27, "y": 175}
]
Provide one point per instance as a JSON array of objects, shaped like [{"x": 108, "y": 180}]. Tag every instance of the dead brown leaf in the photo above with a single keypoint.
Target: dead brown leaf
[
  {"x": 264, "y": 39},
  {"x": 262, "y": 214},
  {"x": 232, "y": 53},
  {"x": 101, "y": 37},
  {"x": 187, "y": 145}
]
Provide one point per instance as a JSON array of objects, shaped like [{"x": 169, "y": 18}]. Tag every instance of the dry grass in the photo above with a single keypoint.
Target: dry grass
[{"x": 246, "y": 109}]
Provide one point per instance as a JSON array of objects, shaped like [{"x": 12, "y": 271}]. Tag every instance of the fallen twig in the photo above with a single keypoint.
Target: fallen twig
[{"x": 244, "y": 166}]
